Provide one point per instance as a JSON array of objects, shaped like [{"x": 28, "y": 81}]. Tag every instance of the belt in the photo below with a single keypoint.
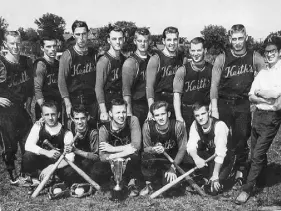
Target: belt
[{"x": 165, "y": 93}]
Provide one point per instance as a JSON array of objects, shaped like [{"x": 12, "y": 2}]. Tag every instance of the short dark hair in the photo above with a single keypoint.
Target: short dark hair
[
  {"x": 237, "y": 28},
  {"x": 50, "y": 104},
  {"x": 198, "y": 40},
  {"x": 116, "y": 29},
  {"x": 158, "y": 104},
  {"x": 116, "y": 102},
  {"x": 199, "y": 104},
  {"x": 170, "y": 30},
  {"x": 79, "y": 109},
  {"x": 77, "y": 24},
  {"x": 46, "y": 38},
  {"x": 142, "y": 31},
  {"x": 272, "y": 40},
  {"x": 12, "y": 33}
]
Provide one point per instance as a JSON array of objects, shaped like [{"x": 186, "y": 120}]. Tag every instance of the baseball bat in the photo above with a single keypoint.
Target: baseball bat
[
  {"x": 173, "y": 183},
  {"x": 47, "y": 177},
  {"x": 187, "y": 178},
  {"x": 76, "y": 168}
]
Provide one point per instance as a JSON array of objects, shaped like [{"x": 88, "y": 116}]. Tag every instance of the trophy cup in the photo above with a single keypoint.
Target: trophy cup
[{"x": 118, "y": 167}]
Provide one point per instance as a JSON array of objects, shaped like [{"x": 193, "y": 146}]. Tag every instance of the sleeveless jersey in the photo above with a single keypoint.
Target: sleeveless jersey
[
  {"x": 18, "y": 83},
  {"x": 206, "y": 141},
  {"x": 168, "y": 139},
  {"x": 138, "y": 87},
  {"x": 166, "y": 72},
  {"x": 56, "y": 140},
  {"x": 82, "y": 77},
  {"x": 50, "y": 87},
  {"x": 114, "y": 77},
  {"x": 237, "y": 75},
  {"x": 197, "y": 84}
]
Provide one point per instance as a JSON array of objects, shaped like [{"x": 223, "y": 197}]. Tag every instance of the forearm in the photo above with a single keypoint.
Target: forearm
[
  {"x": 149, "y": 149},
  {"x": 177, "y": 105},
  {"x": 256, "y": 100},
  {"x": 67, "y": 101},
  {"x": 88, "y": 155},
  {"x": 267, "y": 94},
  {"x": 216, "y": 170},
  {"x": 129, "y": 104},
  {"x": 40, "y": 101},
  {"x": 179, "y": 157},
  {"x": 150, "y": 101},
  {"x": 126, "y": 152},
  {"x": 102, "y": 108}
]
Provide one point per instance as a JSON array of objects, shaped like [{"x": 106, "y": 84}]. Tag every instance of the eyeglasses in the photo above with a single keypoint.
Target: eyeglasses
[{"x": 273, "y": 51}]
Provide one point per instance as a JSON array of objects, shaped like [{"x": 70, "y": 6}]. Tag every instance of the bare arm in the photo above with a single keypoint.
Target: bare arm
[
  {"x": 182, "y": 141},
  {"x": 178, "y": 86},
  {"x": 40, "y": 73}
]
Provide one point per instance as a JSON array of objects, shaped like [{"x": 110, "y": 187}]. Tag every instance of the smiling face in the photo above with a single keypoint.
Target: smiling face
[
  {"x": 80, "y": 35},
  {"x": 50, "y": 116},
  {"x": 271, "y": 54},
  {"x": 171, "y": 42},
  {"x": 116, "y": 40},
  {"x": 118, "y": 114},
  {"x": 238, "y": 41},
  {"x": 161, "y": 116},
  {"x": 49, "y": 48},
  {"x": 197, "y": 52},
  {"x": 13, "y": 44},
  {"x": 81, "y": 121}
]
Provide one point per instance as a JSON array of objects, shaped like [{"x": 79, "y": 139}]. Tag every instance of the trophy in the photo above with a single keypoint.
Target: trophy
[{"x": 118, "y": 167}]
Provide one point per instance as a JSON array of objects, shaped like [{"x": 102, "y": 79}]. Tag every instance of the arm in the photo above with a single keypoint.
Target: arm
[
  {"x": 178, "y": 85},
  {"x": 40, "y": 73},
  {"x": 182, "y": 141},
  {"x": 129, "y": 71},
  {"x": 220, "y": 140},
  {"x": 32, "y": 139},
  {"x": 151, "y": 72},
  {"x": 102, "y": 72},
  {"x": 64, "y": 71},
  {"x": 68, "y": 139},
  {"x": 192, "y": 143},
  {"x": 216, "y": 75},
  {"x": 147, "y": 144}
]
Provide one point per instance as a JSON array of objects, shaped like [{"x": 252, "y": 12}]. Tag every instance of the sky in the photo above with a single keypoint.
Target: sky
[{"x": 190, "y": 16}]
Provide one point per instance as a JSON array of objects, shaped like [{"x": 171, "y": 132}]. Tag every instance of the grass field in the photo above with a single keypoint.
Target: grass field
[{"x": 16, "y": 198}]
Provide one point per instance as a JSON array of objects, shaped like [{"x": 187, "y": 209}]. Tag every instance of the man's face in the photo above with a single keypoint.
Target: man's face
[
  {"x": 50, "y": 116},
  {"x": 81, "y": 36},
  {"x": 271, "y": 54},
  {"x": 202, "y": 116},
  {"x": 80, "y": 121},
  {"x": 142, "y": 42},
  {"x": 238, "y": 41},
  {"x": 197, "y": 52},
  {"x": 13, "y": 44},
  {"x": 118, "y": 114},
  {"x": 116, "y": 40},
  {"x": 50, "y": 48},
  {"x": 161, "y": 116},
  {"x": 171, "y": 42}
]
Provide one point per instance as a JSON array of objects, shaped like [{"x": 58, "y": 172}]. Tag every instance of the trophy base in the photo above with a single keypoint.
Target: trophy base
[{"x": 118, "y": 196}]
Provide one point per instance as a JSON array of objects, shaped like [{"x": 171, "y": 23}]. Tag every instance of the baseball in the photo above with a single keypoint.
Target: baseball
[
  {"x": 57, "y": 190},
  {"x": 79, "y": 191}
]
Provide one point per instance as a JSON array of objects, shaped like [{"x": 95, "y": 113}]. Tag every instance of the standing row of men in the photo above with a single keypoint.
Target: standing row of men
[{"x": 79, "y": 78}]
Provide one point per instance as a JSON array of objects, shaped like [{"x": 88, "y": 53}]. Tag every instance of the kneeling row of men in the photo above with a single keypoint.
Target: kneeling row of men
[{"x": 121, "y": 137}]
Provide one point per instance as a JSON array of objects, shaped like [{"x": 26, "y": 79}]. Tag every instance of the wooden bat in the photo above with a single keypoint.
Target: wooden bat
[
  {"x": 76, "y": 168},
  {"x": 187, "y": 178},
  {"x": 173, "y": 183},
  {"x": 47, "y": 177}
]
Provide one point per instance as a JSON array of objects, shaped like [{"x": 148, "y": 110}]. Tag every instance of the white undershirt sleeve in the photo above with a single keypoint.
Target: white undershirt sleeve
[
  {"x": 194, "y": 137},
  {"x": 221, "y": 134},
  {"x": 32, "y": 139}
]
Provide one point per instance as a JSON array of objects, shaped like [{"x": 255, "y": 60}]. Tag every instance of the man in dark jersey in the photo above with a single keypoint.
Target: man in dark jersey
[
  {"x": 209, "y": 136},
  {"x": 163, "y": 134},
  {"x": 232, "y": 76},
  {"x": 161, "y": 70},
  {"x": 77, "y": 73},
  {"x": 109, "y": 72},
  {"x": 121, "y": 138},
  {"x": 133, "y": 76},
  {"x": 46, "y": 71},
  {"x": 39, "y": 158},
  {"x": 192, "y": 82},
  {"x": 16, "y": 92}
]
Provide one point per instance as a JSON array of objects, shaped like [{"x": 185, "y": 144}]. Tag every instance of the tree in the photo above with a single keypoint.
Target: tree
[
  {"x": 3, "y": 27},
  {"x": 51, "y": 24},
  {"x": 216, "y": 38}
]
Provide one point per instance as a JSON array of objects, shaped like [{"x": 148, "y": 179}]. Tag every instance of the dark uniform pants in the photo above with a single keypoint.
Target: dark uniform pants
[
  {"x": 264, "y": 128},
  {"x": 140, "y": 110},
  {"x": 237, "y": 116}
]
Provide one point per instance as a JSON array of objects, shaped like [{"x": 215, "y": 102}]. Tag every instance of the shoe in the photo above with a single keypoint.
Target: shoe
[
  {"x": 238, "y": 183},
  {"x": 242, "y": 198},
  {"x": 133, "y": 190},
  {"x": 22, "y": 181},
  {"x": 146, "y": 190}
]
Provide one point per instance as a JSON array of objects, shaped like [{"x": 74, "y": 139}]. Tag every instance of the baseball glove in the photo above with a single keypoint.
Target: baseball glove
[
  {"x": 210, "y": 189},
  {"x": 87, "y": 190},
  {"x": 61, "y": 194}
]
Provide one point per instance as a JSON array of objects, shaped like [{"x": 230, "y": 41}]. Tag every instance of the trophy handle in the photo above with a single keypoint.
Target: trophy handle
[{"x": 125, "y": 164}]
